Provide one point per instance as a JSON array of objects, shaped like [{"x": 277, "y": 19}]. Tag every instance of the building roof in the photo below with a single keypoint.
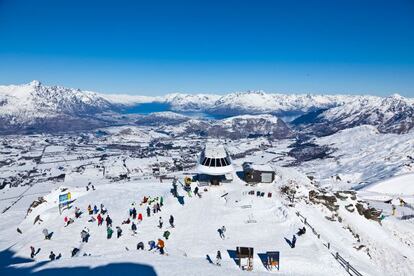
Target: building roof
[
  {"x": 258, "y": 167},
  {"x": 215, "y": 151}
]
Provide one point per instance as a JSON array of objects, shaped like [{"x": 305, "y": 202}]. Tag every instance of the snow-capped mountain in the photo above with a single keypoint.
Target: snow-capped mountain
[
  {"x": 243, "y": 126},
  {"x": 35, "y": 106},
  {"x": 393, "y": 114}
]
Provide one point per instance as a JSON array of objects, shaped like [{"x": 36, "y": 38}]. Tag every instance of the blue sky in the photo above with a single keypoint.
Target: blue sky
[{"x": 156, "y": 47}]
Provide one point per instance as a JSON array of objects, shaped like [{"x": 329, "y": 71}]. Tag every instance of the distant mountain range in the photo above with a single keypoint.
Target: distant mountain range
[{"x": 33, "y": 107}]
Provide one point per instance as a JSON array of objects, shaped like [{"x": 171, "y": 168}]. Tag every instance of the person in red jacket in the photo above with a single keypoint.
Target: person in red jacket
[
  {"x": 100, "y": 219},
  {"x": 139, "y": 217}
]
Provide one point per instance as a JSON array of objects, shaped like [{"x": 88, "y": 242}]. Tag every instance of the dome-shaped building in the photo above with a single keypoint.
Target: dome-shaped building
[{"x": 215, "y": 165}]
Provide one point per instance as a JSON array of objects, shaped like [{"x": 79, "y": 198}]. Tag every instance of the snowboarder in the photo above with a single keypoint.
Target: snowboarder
[
  {"x": 171, "y": 221},
  {"x": 140, "y": 246},
  {"x": 218, "y": 258},
  {"x": 134, "y": 228},
  {"x": 108, "y": 221},
  {"x": 127, "y": 221},
  {"x": 160, "y": 222},
  {"x": 160, "y": 246},
  {"x": 151, "y": 245},
  {"x": 52, "y": 256},
  {"x": 293, "y": 241},
  {"x": 118, "y": 232},
  {"x": 166, "y": 234},
  {"x": 109, "y": 232},
  {"x": 75, "y": 251},
  {"x": 148, "y": 211}
]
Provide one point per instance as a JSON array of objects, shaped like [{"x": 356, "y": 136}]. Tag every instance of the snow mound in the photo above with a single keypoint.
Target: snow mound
[{"x": 398, "y": 185}]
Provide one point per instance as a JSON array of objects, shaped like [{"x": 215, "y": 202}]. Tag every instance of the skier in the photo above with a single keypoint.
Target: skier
[
  {"x": 171, "y": 221},
  {"x": 134, "y": 228},
  {"x": 19, "y": 231},
  {"x": 158, "y": 206},
  {"x": 218, "y": 258},
  {"x": 52, "y": 256},
  {"x": 140, "y": 246},
  {"x": 161, "y": 201},
  {"x": 139, "y": 217},
  {"x": 109, "y": 232},
  {"x": 118, "y": 232},
  {"x": 108, "y": 221},
  {"x": 100, "y": 219},
  {"x": 166, "y": 234},
  {"x": 151, "y": 245},
  {"x": 160, "y": 222},
  {"x": 293, "y": 241},
  {"x": 148, "y": 211},
  {"x": 160, "y": 246}
]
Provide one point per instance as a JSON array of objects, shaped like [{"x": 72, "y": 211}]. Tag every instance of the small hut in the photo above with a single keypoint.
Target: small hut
[
  {"x": 254, "y": 173},
  {"x": 245, "y": 257}
]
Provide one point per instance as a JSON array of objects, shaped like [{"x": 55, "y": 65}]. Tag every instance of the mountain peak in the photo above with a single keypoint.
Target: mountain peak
[{"x": 35, "y": 83}]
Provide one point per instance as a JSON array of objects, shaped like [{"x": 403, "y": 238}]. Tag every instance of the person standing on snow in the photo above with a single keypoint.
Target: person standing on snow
[
  {"x": 171, "y": 221},
  {"x": 140, "y": 246},
  {"x": 160, "y": 222},
  {"x": 32, "y": 252},
  {"x": 134, "y": 213},
  {"x": 109, "y": 232},
  {"x": 196, "y": 191},
  {"x": 148, "y": 211},
  {"x": 293, "y": 241},
  {"x": 160, "y": 246},
  {"x": 134, "y": 228},
  {"x": 139, "y": 217},
  {"x": 90, "y": 210},
  {"x": 218, "y": 258},
  {"x": 118, "y": 232},
  {"x": 108, "y": 221},
  {"x": 100, "y": 219},
  {"x": 95, "y": 210},
  {"x": 161, "y": 201},
  {"x": 52, "y": 256}
]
